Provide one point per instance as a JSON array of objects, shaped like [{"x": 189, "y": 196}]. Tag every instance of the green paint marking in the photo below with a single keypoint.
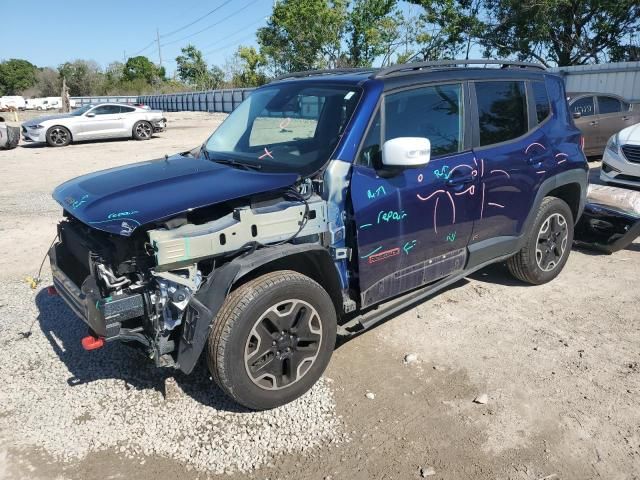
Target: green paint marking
[{"x": 371, "y": 253}]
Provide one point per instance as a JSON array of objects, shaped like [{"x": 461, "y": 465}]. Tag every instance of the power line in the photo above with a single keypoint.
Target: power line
[
  {"x": 235, "y": 42},
  {"x": 212, "y": 25},
  {"x": 240, "y": 30},
  {"x": 196, "y": 20},
  {"x": 145, "y": 48}
]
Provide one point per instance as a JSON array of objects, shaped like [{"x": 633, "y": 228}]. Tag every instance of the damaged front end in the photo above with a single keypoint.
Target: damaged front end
[{"x": 137, "y": 289}]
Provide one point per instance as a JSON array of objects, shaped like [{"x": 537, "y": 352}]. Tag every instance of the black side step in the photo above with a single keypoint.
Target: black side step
[{"x": 386, "y": 310}]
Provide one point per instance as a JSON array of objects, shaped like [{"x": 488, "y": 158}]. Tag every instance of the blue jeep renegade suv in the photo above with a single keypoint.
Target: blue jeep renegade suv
[{"x": 326, "y": 202}]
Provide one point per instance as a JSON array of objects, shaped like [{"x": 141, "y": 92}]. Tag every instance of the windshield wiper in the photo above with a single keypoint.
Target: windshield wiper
[
  {"x": 236, "y": 163},
  {"x": 203, "y": 150}
]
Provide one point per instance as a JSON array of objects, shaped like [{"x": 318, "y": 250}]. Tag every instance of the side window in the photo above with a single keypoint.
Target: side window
[
  {"x": 106, "y": 110},
  {"x": 541, "y": 99},
  {"x": 502, "y": 111},
  {"x": 124, "y": 109},
  {"x": 370, "y": 152},
  {"x": 584, "y": 106},
  {"x": 609, "y": 105},
  {"x": 434, "y": 112}
]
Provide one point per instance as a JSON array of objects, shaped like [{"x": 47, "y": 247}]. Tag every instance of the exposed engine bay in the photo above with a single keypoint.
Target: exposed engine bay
[{"x": 136, "y": 289}]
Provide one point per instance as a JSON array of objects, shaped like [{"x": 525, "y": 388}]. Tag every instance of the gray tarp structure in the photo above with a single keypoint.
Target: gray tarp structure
[{"x": 9, "y": 136}]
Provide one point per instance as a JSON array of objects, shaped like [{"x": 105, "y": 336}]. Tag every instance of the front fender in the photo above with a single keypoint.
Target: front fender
[{"x": 204, "y": 306}]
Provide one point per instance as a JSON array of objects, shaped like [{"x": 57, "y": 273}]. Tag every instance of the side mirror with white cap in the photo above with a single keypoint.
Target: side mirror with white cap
[{"x": 406, "y": 152}]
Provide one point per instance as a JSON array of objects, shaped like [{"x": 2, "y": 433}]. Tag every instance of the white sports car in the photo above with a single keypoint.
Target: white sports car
[
  {"x": 621, "y": 160},
  {"x": 94, "y": 122}
]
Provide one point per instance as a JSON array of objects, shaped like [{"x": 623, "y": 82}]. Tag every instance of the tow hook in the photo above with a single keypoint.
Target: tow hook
[{"x": 92, "y": 343}]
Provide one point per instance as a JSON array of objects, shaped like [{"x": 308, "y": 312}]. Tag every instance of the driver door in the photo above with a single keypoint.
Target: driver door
[
  {"x": 106, "y": 122},
  {"x": 413, "y": 225}
]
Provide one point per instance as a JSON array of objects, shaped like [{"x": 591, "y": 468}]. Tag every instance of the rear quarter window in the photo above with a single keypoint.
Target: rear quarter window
[
  {"x": 502, "y": 111},
  {"x": 541, "y": 100}
]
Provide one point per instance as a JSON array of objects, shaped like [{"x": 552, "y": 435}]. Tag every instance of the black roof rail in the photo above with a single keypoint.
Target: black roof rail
[
  {"x": 326, "y": 71},
  {"x": 417, "y": 66}
]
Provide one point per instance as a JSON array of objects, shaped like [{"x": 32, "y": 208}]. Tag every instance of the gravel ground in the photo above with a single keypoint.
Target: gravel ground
[{"x": 114, "y": 399}]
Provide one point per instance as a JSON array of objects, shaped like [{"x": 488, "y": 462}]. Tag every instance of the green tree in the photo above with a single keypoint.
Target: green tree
[
  {"x": 372, "y": 30},
  {"x": 449, "y": 28},
  {"x": 561, "y": 32},
  {"x": 247, "y": 68},
  {"x": 16, "y": 75},
  {"x": 193, "y": 69},
  {"x": 84, "y": 77},
  {"x": 48, "y": 82},
  {"x": 304, "y": 35},
  {"x": 216, "y": 78},
  {"x": 141, "y": 67}
]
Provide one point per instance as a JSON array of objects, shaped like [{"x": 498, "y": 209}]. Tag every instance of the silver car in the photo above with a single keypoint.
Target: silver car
[{"x": 93, "y": 122}]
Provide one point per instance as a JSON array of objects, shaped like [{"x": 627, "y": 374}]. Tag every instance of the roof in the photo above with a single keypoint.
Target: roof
[{"x": 419, "y": 72}]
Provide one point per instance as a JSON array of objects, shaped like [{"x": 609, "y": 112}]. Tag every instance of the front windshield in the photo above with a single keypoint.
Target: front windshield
[
  {"x": 81, "y": 110},
  {"x": 289, "y": 127}
]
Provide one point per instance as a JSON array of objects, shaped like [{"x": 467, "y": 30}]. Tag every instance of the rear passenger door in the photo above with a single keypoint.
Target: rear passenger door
[
  {"x": 613, "y": 116},
  {"x": 412, "y": 225},
  {"x": 512, "y": 160},
  {"x": 587, "y": 123}
]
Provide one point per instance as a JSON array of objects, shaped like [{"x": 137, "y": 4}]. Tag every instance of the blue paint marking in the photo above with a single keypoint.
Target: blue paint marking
[
  {"x": 443, "y": 172},
  {"x": 391, "y": 215},
  {"x": 376, "y": 193},
  {"x": 366, "y": 225},
  {"x": 116, "y": 215},
  {"x": 76, "y": 203},
  {"x": 117, "y": 219},
  {"x": 408, "y": 246},
  {"x": 371, "y": 253}
]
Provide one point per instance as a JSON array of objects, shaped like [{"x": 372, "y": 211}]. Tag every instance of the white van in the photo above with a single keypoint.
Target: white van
[{"x": 12, "y": 101}]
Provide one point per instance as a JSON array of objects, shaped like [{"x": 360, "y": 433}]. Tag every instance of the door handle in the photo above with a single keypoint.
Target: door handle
[
  {"x": 459, "y": 180},
  {"x": 535, "y": 160},
  {"x": 626, "y": 117},
  {"x": 593, "y": 122}
]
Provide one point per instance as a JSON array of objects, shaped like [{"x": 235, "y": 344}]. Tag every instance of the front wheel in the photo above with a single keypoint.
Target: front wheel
[
  {"x": 58, "y": 136},
  {"x": 547, "y": 249},
  {"x": 272, "y": 339},
  {"x": 142, "y": 130}
]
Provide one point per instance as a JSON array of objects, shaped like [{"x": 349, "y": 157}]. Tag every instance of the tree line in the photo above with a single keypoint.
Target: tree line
[{"x": 315, "y": 34}]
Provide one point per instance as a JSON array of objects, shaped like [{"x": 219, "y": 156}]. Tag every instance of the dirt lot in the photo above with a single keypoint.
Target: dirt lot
[{"x": 560, "y": 364}]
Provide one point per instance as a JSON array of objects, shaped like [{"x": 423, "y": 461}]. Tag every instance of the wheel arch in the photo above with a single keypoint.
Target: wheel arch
[
  {"x": 62, "y": 126},
  {"x": 311, "y": 260}
]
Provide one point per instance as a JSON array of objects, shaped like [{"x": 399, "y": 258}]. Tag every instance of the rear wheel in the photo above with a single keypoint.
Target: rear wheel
[
  {"x": 142, "y": 130},
  {"x": 58, "y": 136},
  {"x": 272, "y": 339},
  {"x": 547, "y": 249}
]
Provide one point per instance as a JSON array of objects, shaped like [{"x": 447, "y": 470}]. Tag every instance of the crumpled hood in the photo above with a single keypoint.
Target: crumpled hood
[
  {"x": 121, "y": 199},
  {"x": 38, "y": 120},
  {"x": 630, "y": 135}
]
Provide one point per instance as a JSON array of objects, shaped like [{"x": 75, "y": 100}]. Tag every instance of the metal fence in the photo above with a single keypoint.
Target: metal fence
[
  {"x": 209, "y": 101},
  {"x": 618, "y": 78},
  {"x": 80, "y": 101}
]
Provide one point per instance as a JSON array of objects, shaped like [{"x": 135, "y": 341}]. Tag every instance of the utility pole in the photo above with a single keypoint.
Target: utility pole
[
  {"x": 124, "y": 56},
  {"x": 159, "y": 50}
]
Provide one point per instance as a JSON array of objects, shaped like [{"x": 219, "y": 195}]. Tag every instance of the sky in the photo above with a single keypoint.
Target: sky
[{"x": 107, "y": 31}]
